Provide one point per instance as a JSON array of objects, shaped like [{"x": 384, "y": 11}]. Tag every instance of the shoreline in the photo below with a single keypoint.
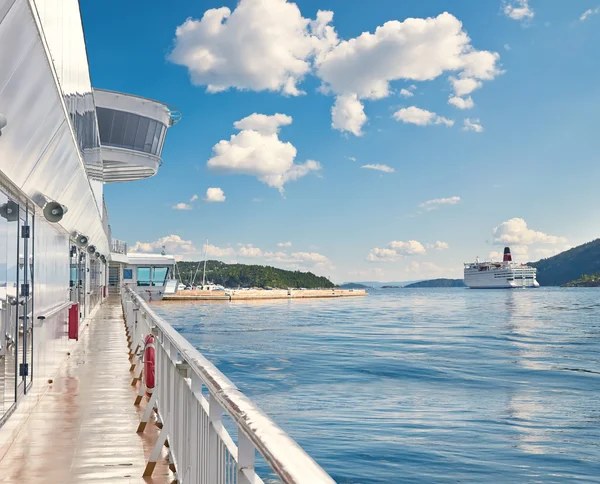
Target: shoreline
[{"x": 264, "y": 294}]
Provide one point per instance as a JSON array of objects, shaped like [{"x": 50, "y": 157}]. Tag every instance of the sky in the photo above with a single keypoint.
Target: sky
[{"x": 378, "y": 141}]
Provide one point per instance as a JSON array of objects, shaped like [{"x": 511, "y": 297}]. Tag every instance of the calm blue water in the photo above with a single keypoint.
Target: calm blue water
[{"x": 430, "y": 385}]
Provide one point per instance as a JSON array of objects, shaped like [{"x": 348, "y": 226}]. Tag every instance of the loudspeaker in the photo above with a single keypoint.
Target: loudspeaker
[
  {"x": 82, "y": 240},
  {"x": 54, "y": 211},
  {"x": 91, "y": 249},
  {"x": 103, "y": 259},
  {"x": 97, "y": 255},
  {"x": 9, "y": 211}
]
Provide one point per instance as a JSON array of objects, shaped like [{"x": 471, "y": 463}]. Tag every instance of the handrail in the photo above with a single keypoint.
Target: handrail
[
  {"x": 56, "y": 310},
  {"x": 287, "y": 459}
]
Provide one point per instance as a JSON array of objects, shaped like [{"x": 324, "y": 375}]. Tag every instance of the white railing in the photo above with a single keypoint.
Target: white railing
[{"x": 201, "y": 450}]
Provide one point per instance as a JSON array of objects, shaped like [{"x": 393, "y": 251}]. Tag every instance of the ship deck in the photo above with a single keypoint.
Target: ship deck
[{"x": 83, "y": 428}]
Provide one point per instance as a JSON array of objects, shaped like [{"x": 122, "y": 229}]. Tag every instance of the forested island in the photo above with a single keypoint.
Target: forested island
[
  {"x": 354, "y": 285},
  {"x": 438, "y": 283},
  {"x": 242, "y": 275},
  {"x": 586, "y": 280}
]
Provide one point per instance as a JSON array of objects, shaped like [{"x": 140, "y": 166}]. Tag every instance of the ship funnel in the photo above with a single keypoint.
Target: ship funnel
[{"x": 507, "y": 256}]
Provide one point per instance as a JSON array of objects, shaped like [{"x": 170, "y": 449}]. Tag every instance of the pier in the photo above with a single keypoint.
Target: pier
[{"x": 241, "y": 295}]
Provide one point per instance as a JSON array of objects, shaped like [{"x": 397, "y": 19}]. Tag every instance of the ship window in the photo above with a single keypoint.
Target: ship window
[
  {"x": 105, "y": 118},
  {"x": 140, "y": 137},
  {"x": 150, "y": 136},
  {"x": 143, "y": 276},
  {"x": 118, "y": 128},
  {"x": 128, "y": 274},
  {"x": 130, "y": 131},
  {"x": 159, "y": 276}
]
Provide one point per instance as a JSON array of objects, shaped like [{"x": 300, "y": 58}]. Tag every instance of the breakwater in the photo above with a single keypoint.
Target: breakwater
[{"x": 240, "y": 295}]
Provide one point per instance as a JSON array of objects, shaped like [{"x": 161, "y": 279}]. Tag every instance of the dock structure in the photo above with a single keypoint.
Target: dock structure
[{"x": 241, "y": 295}]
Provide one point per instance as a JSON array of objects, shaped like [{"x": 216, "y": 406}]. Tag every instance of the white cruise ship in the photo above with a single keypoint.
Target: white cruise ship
[{"x": 500, "y": 275}]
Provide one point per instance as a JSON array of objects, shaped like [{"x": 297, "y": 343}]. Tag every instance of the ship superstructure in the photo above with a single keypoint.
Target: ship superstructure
[{"x": 499, "y": 275}]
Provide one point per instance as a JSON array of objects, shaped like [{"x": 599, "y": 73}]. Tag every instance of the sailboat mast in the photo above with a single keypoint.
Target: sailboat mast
[{"x": 204, "y": 273}]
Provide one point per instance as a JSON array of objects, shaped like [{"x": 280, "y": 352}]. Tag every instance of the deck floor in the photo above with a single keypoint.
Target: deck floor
[{"x": 83, "y": 429}]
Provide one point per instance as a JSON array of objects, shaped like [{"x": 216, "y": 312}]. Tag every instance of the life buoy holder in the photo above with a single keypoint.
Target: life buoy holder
[{"x": 149, "y": 363}]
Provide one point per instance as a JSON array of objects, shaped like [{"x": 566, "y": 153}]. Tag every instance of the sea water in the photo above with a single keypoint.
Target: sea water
[{"x": 420, "y": 385}]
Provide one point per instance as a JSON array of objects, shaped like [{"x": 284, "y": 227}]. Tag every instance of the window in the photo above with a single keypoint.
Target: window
[
  {"x": 129, "y": 130},
  {"x": 143, "y": 276},
  {"x": 128, "y": 274},
  {"x": 159, "y": 276}
]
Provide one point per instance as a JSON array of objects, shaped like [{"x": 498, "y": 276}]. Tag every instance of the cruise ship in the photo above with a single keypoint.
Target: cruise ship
[
  {"x": 499, "y": 275},
  {"x": 94, "y": 385}
]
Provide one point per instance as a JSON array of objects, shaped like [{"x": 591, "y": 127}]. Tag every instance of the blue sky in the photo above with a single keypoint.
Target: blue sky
[{"x": 524, "y": 174}]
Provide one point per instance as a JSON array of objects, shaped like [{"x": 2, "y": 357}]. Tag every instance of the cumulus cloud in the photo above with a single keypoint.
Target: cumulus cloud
[
  {"x": 518, "y": 10},
  {"x": 257, "y": 151},
  {"x": 214, "y": 195},
  {"x": 262, "y": 45},
  {"x": 194, "y": 198},
  {"x": 515, "y": 231},
  {"x": 268, "y": 45},
  {"x": 384, "y": 168},
  {"x": 406, "y": 93},
  {"x": 438, "y": 245},
  {"x": 284, "y": 244},
  {"x": 351, "y": 158},
  {"x": 465, "y": 86},
  {"x": 588, "y": 12},
  {"x": 173, "y": 244},
  {"x": 182, "y": 206},
  {"x": 382, "y": 255},
  {"x": 437, "y": 202},
  {"x": 348, "y": 114},
  {"x": 420, "y": 117},
  {"x": 472, "y": 125},
  {"x": 461, "y": 103},
  {"x": 411, "y": 247},
  {"x": 250, "y": 251}
]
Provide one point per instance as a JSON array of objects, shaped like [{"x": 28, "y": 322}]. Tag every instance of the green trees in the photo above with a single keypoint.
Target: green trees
[
  {"x": 242, "y": 275},
  {"x": 569, "y": 265}
]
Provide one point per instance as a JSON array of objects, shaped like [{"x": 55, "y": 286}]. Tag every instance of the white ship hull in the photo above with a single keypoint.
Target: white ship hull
[{"x": 488, "y": 281}]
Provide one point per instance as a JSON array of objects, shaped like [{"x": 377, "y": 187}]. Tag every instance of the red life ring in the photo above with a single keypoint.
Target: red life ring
[{"x": 149, "y": 363}]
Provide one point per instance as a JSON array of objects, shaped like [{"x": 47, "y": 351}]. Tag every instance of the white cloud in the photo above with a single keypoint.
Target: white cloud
[
  {"x": 507, "y": 47},
  {"x": 518, "y": 10},
  {"x": 420, "y": 117},
  {"x": 516, "y": 231},
  {"x": 461, "y": 103},
  {"x": 182, "y": 206},
  {"x": 436, "y": 202},
  {"x": 588, "y": 12},
  {"x": 194, "y": 198},
  {"x": 416, "y": 49},
  {"x": 173, "y": 244},
  {"x": 382, "y": 255},
  {"x": 438, "y": 245},
  {"x": 411, "y": 247},
  {"x": 348, "y": 114},
  {"x": 257, "y": 151},
  {"x": 351, "y": 158},
  {"x": 214, "y": 251},
  {"x": 261, "y": 45},
  {"x": 472, "y": 125},
  {"x": 250, "y": 251},
  {"x": 268, "y": 45},
  {"x": 406, "y": 93},
  {"x": 214, "y": 195},
  {"x": 384, "y": 168},
  {"x": 465, "y": 86},
  {"x": 284, "y": 244}
]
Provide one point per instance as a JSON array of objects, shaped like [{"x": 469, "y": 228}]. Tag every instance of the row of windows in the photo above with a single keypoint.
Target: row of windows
[
  {"x": 148, "y": 276},
  {"x": 128, "y": 130}
]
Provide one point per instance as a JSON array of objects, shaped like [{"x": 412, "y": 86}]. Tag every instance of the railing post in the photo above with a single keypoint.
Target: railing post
[
  {"x": 215, "y": 414},
  {"x": 246, "y": 456}
]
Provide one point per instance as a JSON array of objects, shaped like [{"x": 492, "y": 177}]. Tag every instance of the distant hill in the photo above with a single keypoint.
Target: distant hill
[
  {"x": 438, "y": 283},
  {"x": 242, "y": 275},
  {"x": 570, "y": 265},
  {"x": 378, "y": 285},
  {"x": 354, "y": 285}
]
